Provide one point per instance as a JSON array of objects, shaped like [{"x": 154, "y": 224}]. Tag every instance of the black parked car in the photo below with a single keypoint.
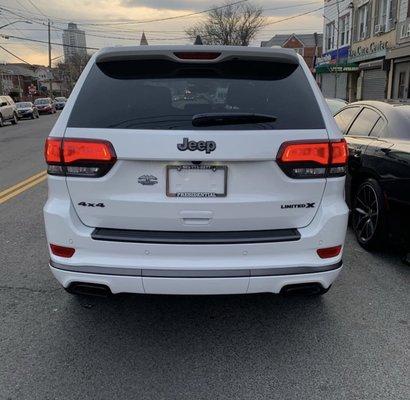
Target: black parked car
[{"x": 378, "y": 181}]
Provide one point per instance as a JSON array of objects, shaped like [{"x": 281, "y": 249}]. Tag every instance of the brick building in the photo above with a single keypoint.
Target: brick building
[{"x": 309, "y": 46}]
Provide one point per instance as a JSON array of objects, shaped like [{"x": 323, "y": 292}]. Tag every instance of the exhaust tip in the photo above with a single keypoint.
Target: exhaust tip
[
  {"x": 308, "y": 289},
  {"x": 89, "y": 289}
]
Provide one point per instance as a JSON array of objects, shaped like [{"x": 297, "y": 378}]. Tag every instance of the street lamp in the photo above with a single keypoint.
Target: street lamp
[{"x": 15, "y": 22}]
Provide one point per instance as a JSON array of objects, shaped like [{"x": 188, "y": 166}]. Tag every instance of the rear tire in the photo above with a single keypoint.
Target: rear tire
[
  {"x": 1, "y": 121},
  {"x": 369, "y": 214},
  {"x": 14, "y": 121}
]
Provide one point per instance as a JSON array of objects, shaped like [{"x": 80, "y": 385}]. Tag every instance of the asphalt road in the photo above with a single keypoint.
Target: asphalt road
[
  {"x": 21, "y": 149},
  {"x": 353, "y": 343}
]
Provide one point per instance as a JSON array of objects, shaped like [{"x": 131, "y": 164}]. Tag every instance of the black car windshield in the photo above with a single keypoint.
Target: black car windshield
[
  {"x": 60, "y": 99},
  {"x": 41, "y": 101},
  {"x": 23, "y": 105},
  {"x": 160, "y": 94}
]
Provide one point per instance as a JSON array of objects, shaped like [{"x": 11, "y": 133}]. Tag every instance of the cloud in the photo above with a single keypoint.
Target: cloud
[{"x": 157, "y": 32}]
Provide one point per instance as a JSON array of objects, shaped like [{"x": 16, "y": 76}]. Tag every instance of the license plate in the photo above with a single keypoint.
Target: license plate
[{"x": 196, "y": 180}]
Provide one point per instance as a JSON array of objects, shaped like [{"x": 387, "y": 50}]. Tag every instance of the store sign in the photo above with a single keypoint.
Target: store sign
[
  {"x": 372, "y": 50},
  {"x": 329, "y": 68},
  {"x": 332, "y": 56}
]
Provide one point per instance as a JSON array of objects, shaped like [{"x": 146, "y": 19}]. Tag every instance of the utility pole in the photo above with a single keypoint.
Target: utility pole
[{"x": 49, "y": 59}]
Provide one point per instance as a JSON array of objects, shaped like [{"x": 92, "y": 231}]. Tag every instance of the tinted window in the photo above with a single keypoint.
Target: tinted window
[
  {"x": 345, "y": 117},
  {"x": 159, "y": 94},
  {"x": 364, "y": 123},
  {"x": 378, "y": 129},
  {"x": 41, "y": 101}
]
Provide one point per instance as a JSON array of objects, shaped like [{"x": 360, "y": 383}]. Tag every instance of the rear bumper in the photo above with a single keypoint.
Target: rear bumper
[
  {"x": 195, "y": 282},
  {"x": 147, "y": 266}
]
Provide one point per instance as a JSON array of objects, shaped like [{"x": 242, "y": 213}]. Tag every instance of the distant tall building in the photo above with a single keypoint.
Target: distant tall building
[{"x": 74, "y": 42}]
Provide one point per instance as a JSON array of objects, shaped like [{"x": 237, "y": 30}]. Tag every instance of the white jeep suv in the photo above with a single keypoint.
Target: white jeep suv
[{"x": 196, "y": 170}]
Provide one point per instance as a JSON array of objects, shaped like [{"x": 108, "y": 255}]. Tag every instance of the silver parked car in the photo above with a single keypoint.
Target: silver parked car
[
  {"x": 336, "y": 105},
  {"x": 26, "y": 109}
]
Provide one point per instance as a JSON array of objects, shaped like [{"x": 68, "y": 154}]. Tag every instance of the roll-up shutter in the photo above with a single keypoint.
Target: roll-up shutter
[
  {"x": 374, "y": 84},
  {"x": 328, "y": 85}
]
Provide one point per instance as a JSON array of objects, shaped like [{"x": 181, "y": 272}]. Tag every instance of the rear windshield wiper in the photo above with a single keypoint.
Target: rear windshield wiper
[{"x": 214, "y": 119}]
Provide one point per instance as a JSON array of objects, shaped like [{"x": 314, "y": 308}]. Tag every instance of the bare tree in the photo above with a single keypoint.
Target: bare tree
[
  {"x": 234, "y": 24},
  {"x": 69, "y": 71}
]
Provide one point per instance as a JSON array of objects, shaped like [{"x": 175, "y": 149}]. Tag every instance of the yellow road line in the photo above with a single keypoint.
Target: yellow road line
[{"x": 22, "y": 186}]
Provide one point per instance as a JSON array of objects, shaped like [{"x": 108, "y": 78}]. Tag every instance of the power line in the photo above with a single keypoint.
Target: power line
[
  {"x": 43, "y": 41},
  {"x": 14, "y": 55},
  {"x": 168, "y": 18},
  {"x": 37, "y": 8},
  {"x": 293, "y": 16}
]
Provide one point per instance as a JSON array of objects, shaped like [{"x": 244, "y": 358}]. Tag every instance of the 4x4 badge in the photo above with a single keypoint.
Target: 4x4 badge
[
  {"x": 148, "y": 180},
  {"x": 207, "y": 146}
]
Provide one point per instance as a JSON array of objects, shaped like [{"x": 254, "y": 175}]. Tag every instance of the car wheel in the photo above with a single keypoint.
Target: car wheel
[
  {"x": 368, "y": 214},
  {"x": 1, "y": 121},
  {"x": 14, "y": 120}
]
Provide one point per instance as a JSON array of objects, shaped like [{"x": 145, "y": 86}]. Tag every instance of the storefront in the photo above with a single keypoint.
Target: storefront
[
  {"x": 333, "y": 72},
  {"x": 399, "y": 59},
  {"x": 370, "y": 54}
]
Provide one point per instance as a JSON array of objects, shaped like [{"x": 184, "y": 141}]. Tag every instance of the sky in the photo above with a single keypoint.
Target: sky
[{"x": 125, "y": 20}]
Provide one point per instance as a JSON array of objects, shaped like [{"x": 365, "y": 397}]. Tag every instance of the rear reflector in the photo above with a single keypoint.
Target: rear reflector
[
  {"x": 61, "y": 251},
  {"x": 197, "y": 55},
  {"x": 313, "y": 159},
  {"x": 329, "y": 252},
  {"x": 79, "y": 157}
]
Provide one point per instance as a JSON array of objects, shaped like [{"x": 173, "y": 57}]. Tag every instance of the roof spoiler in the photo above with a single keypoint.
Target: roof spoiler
[{"x": 219, "y": 53}]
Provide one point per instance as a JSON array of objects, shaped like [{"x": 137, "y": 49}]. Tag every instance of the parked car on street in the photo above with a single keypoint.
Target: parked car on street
[
  {"x": 336, "y": 105},
  {"x": 45, "y": 105},
  {"x": 378, "y": 183},
  {"x": 60, "y": 102},
  {"x": 241, "y": 193},
  {"x": 26, "y": 109},
  {"x": 8, "y": 110}
]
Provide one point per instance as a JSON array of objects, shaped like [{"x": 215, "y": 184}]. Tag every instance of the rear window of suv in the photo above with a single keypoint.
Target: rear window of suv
[{"x": 162, "y": 94}]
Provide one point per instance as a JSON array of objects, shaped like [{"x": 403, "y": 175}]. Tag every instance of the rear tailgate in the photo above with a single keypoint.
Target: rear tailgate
[{"x": 161, "y": 182}]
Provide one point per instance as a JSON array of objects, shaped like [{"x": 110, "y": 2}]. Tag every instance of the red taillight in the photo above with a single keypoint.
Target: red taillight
[
  {"x": 75, "y": 150},
  {"x": 313, "y": 159},
  {"x": 62, "y": 251},
  {"x": 52, "y": 151},
  {"x": 329, "y": 252},
  {"x": 79, "y": 157},
  {"x": 302, "y": 152},
  {"x": 339, "y": 152},
  {"x": 197, "y": 55}
]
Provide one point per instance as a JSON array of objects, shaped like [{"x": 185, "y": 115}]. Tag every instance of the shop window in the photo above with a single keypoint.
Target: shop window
[
  {"x": 330, "y": 36},
  {"x": 362, "y": 21},
  {"x": 344, "y": 30}
]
